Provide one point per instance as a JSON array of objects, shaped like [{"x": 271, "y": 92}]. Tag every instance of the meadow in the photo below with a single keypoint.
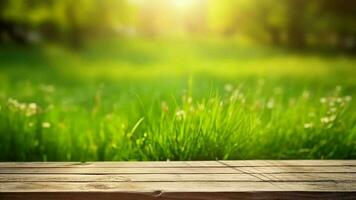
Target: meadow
[{"x": 198, "y": 99}]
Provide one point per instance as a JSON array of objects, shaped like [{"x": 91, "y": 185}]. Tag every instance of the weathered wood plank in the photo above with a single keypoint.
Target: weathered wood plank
[
  {"x": 177, "y": 186},
  {"x": 126, "y": 178},
  {"x": 130, "y": 164},
  {"x": 283, "y": 177},
  {"x": 179, "y": 180},
  {"x": 137, "y": 187},
  {"x": 305, "y": 177},
  {"x": 180, "y": 196},
  {"x": 191, "y": 170},
  {"x": 296, "y": 169}
]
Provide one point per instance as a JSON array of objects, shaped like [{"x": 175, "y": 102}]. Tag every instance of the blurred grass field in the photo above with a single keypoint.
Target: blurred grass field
[{"x": 197, "y": 99}]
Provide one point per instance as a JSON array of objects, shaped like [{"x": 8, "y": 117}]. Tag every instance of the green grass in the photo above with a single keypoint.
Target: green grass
[{"x": 177, "y": 100}]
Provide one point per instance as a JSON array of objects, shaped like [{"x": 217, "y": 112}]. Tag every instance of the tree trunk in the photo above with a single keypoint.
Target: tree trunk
[
  {"x": 295, "y": 27},
  {"x": 13, "y": 31}
]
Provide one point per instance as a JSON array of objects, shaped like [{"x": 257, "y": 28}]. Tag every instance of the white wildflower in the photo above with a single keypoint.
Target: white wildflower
[
  {"x": 31, "y": 109},
  {"x": 180, "y": 114},
  {"x": 270, "y": 104},
  {"x": 332, "y": 118},
  {"x": 46, "y": 125},
  {"x": 13, "y": 102},
  {"x": 324, "y": 120},
  {"x": 323, "y": 100},
  {"x": 348, "y": 98},
  {"x": 333, "y": 110},
  {"x": 30, "y": 124},
  {"x": 339, "y": 100},
  {"x": 21, "y": 106},
  {"x": 228, "y": 87},
  {"x": 308, "y": 125},
  {"x": 32, "y": 106}
]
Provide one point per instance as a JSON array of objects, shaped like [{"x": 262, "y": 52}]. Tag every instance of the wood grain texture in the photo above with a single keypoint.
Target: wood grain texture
[
  {"x": 282, "y": 177},
  {"x": 179, "y": 180},
  {"x": 131, "y": 164},
  {"x": 177, "y": 170},
  {"x": 83, "y": 170},
  {"x": 177, "y": 186},
  {"x": 126, "y": 178},
  {"x": 181, "y": 196}
]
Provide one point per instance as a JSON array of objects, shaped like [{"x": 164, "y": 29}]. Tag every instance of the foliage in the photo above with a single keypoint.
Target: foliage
[
  {"x": 177, "y": 100},
  {"x": 293, "y": 23}
]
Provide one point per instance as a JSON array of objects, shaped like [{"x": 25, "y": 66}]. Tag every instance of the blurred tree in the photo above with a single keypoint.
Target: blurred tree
[
  {"x": 195, "y": 17},
  {"x": 11, "y": 29},
  {"x": 288, "y": 22},
  {"x": 269, "y": 17},
  {"x": 74, "y": 26},
  {"x": 296, "y": 14},
  {"x": 339, "y": 21},
  {"x": 293, "y": 23},
  {"x": 59, "y": 19}
]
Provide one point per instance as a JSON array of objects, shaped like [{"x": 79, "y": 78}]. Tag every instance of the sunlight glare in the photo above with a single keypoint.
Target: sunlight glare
[{"x": 182, "y": 3}]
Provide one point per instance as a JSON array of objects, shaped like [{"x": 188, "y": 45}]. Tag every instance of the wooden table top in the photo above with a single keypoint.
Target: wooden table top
[{"x": 255, "y": 179}]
